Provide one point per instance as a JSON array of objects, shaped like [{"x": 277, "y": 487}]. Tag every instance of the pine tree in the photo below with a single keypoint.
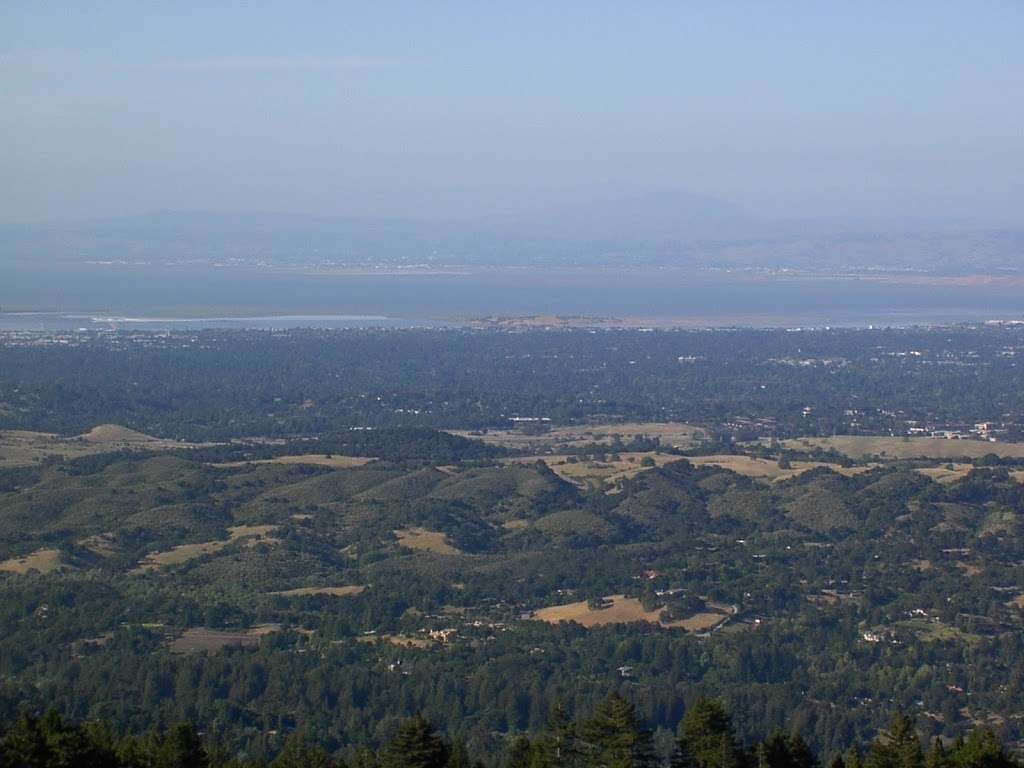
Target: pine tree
[
  {"x": 706, "y": 732},
  {"x": 297, "y": 754},
  {"x": 900, "y": 748},
  {"x": 614, "y": 737},
  {"x": 557, "y": 747},
  {"x": 416, "y": 745},
  {"x": 181, "y": 748},
  {"x": 458, "y": 756}
]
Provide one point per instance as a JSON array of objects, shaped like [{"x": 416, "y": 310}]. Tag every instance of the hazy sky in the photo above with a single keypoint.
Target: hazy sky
[{"x": 461, "y": 109}]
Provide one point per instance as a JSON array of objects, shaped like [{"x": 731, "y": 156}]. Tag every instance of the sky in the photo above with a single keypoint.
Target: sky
[{"x": 467, "y": 109}]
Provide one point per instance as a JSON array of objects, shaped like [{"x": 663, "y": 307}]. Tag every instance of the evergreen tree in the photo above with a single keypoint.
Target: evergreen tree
[
  {"x": 297, "y": 754},
  {"x": 780, "y": 751},
  {"x": 520, "y": 753},
  {"x": 458, "y": 756},
  {"x": 614, "y": 738},
  {"x": 557, "y": 747},
  {"x": 706, "y": 733},
  {"x": 181, "y": 748},
  {"x": 416, "y": 745},
  {"x": 900, "y": 748}
]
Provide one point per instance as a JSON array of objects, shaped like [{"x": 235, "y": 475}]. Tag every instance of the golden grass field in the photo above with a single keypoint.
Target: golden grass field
[
  {"x": 426, "y": 541},
  {"x": 856, "y": 447},
  {"x": 943, "y": 474},
  {"x": 317, "y": 459},
  {"x": 765, "y": 469},
  {"x": 20, "y": 448},
  {"x": 585, "y": 473},
  {"x": 185, "y": 552},
  {"x": 625, "y": 610},
  {"x": 334, "y": 591},
  {"x": 42, "y": 560},
  {"x": 202, "y": 640},
  {"x": 672, "y": 434}
]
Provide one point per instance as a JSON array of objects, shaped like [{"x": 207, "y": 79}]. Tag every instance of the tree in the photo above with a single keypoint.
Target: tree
[
  {"x": 706, "y": 733},
  {"x": 780, "y": 751},
  {"x": 416, "y": 745},
  {"x": 520, "y": 753},
  {"x": 297, "y": 754},
  {"x": 614, "y": 737},
  {"x": 557, "y": 747},
  {"x": 900, "y": 748},
  {"x": 181, "y": 748}
]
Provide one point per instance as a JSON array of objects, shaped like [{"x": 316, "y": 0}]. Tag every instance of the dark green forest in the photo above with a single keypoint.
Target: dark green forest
[
  {"x": 329, "y": 565},
  {"x": 612, "y": 737},
  {"x": 217, "y": 384}
]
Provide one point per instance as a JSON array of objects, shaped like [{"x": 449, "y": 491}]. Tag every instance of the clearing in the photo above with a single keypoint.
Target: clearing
[
  {"x": 856, "y": 447},
  {"x": 765, "y": 469},
  {"x": 586, "y": 473},
  {"x": 42, "y": 560},
  {"x": 202, "y": 640},
  {"x": 426, "y": 541},
  {"x": 318, "y": 459},
  {"x": 185, "y": 552},
  {"x": 625, "y": 610},
  {"x": 19, "y": 448},
  {"x": 405, "y": 641},
  {"x": 671, "y": 434},
  {"x": 946, "y": 473},
  {"x": 334, "y": 591}
]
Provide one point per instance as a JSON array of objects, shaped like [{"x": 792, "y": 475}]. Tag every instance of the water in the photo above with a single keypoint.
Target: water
[{"x": 158, "y": 298}]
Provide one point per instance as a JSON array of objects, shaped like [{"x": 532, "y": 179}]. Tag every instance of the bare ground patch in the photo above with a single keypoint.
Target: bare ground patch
[
  {"x": 42, "y": 560},
  {"x": 765, "y": 469},
  {"x": 426, "y": 541},
  {"x": 317, "y": 459},
  {"x": 586, "y": 472},
  {"x": 857, "y": 446},
  {"x": 625, "y": 610},
  {"x": 404, "y": 641},
  {"x": 20, "y": 448},
  {"x": 946, "y": 474},
  {"x": 202, "y": 640},
  {"x": 347, "y": 591},
  {"x": 671, "y": 434},
  {"x": 185, "y": 552}
]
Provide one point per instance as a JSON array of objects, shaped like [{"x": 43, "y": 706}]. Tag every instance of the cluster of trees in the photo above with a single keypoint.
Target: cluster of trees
[
  {"x": 219, "y": 384},
  {"x": 94, "y": 640},
  {"x": 613, "y": 737}
]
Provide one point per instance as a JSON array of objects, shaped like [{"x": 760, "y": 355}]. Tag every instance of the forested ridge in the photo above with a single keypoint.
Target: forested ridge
[
  {"x": 351, "y": 567},
  {"x": 221, "y": 384},
  {"x": 612, "y": 737}
]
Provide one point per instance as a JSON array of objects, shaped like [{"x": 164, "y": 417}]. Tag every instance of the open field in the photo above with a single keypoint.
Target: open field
[
  {"x": 334, "y": 591},
  {"x": 930, "y": 631},
  {"x": 764, "y": 469},
  {"x": 586, "y": 473},
  {"x": 943, "y": 473},
  {"x": 704, "y": 621},
  {"x": 426, "y": 541},
  {"x": 404, "y": 641},
  {"x": 671, "y": 434},
  {"x": 20, "y": 448},
  {"x": 317, "y": 459},
  {"x": 185, "y": 552},
  {"x": 625, "y": 610},
  {"x": 42, "y": 560},
  {"x": 100, "y": 544},
  {"x": 202, "y": 640},
  {"x": 856, "y": 447}
]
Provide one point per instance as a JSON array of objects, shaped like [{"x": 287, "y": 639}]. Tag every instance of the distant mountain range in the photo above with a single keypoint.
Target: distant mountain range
[{"x": 673, "y": 229}]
